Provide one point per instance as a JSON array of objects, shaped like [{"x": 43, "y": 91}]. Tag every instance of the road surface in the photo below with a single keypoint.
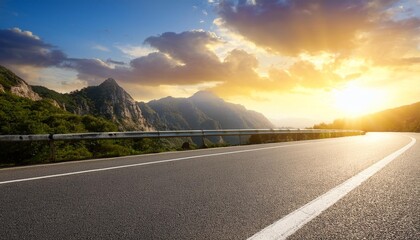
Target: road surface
[{"x": 224, "y": 193}]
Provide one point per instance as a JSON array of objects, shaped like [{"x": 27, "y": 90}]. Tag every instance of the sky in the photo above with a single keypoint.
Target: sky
[{"x": 298, "y": 62}]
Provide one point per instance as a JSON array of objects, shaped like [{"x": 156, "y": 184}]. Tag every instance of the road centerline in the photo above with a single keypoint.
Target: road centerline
[{"x": 289, "y": 224}]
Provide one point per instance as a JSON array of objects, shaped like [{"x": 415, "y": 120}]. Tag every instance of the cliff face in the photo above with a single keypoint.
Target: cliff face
[
  {"x": 24, "y": 90},
  {"x": 10, "y": 82},
  {"x": 112, "y": 102},
  {"x": 203, "y": 110},
  {"x": 108, "y": 100}
]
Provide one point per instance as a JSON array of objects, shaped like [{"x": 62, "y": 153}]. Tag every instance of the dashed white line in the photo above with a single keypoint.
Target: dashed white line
[{"x": 292, "y": 222}]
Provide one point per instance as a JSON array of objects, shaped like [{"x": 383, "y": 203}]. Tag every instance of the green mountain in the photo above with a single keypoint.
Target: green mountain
[
  {"x": 400, "y": 119},
  {"x": 229, "y": 115},
  {"x": 26, "y": 109},
  {"x": 203, "y": 110},
  {"x": 177, "y": 113},
  {"x": 23, "y": 111},
  {"x": 108, "y": 100}
]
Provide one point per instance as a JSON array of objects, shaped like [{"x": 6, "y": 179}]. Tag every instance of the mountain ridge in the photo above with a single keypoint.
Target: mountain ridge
[
  {"x": 203, "y": 110},
  {"x": 404, "y": 118}
]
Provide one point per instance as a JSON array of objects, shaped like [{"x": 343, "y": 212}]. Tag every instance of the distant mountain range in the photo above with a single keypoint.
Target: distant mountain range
[
  {"x": 400, "y": 119},
  {"x": 203, "y": 110}
]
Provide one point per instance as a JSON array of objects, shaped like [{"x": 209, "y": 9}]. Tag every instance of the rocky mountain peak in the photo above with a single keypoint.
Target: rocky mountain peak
[
  {"x": 112, "y": 102},
  {"x": 205, "y": 96},
  {"x": 109, "y": 82}
]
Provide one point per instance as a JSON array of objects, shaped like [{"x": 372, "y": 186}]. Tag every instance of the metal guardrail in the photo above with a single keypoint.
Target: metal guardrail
[
  {"x": 164, "y": 134},
  {"x": 51, "y": 138}
]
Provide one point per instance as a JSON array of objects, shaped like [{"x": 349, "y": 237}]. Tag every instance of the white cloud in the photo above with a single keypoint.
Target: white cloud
[
  {"x": 25, "y": 33},
  {"x": 101, "y": 48},
  {"x": 136, "y": 51}
]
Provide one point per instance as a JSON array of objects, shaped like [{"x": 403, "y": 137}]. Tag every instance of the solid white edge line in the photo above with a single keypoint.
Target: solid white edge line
[
  {"x": 292, "y": 222},
  {"x": 146, "y": 163},
  {"x": 145, "y": 155}
]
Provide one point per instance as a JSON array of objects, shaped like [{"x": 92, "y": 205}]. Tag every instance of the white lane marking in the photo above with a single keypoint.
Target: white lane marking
[
  {"x": 336, "y": 140},
  {"x": 292, "y": 222},
  {"x": 147, "y": 163}
]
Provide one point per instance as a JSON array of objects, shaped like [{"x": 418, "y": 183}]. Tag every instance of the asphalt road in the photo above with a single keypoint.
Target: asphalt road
[{"x": 224, "y": 193}]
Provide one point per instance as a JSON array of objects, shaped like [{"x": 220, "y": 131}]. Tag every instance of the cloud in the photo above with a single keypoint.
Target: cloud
[
  {"x": 135, "y": 51},
  {"x": 101, "y": 48},
  {"x": 110, "y": 61},
  {"x": 188, "y": 58},
  {"x": 244, "y": 80},
  {"x": 19, "y": 47},
  {"x": 93, "y": 71},
  {"x": 189, "y": 47},
  {"x": 179, "y": 59},
  {"x": 395, "y": 43},
  {"x": 381, "y": 32},
  {"x": 294, "y": 26},
  {"x": 308, "y": 76}
]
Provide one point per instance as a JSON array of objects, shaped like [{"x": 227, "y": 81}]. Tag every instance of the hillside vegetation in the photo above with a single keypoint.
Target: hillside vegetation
[
  {"x": 401, "y": 119},
  {"x": 107, "y": 107},
  {"x": 23, "y": 116}
]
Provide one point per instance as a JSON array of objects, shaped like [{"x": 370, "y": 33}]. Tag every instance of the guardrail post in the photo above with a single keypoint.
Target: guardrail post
[
  {"x": 52, "y": 147},
  {"x": 239, "y": 137},
  {"x": 159, "y": 140},
  {"x": 203, "y": 143},
  {"x": 52, "y": 151}
]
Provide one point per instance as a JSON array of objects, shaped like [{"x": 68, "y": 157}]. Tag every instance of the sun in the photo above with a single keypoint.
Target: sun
[{"x": 354, "y": 101}]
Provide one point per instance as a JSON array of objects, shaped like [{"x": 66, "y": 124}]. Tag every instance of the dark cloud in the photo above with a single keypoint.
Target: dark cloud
[
  {"x": 294, "y": 26},
  {"x": 115, "y": 62},
  {"x": 189, "y": 47},
  {"x": 182, "y": 58},
  {"x": 394, "y": 43},
  {"x": 93, "y": 71},
  {"x": 186, "y": 59},
  {"x": 23, "y": 48}
]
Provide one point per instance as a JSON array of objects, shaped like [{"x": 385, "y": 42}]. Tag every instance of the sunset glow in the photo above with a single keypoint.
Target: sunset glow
[
  {"x": 354, "y": 101},
  {"x": 316, "y": 59}
]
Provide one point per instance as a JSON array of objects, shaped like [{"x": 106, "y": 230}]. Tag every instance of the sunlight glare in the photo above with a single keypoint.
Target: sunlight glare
[{"x": 355, "y": 101}]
